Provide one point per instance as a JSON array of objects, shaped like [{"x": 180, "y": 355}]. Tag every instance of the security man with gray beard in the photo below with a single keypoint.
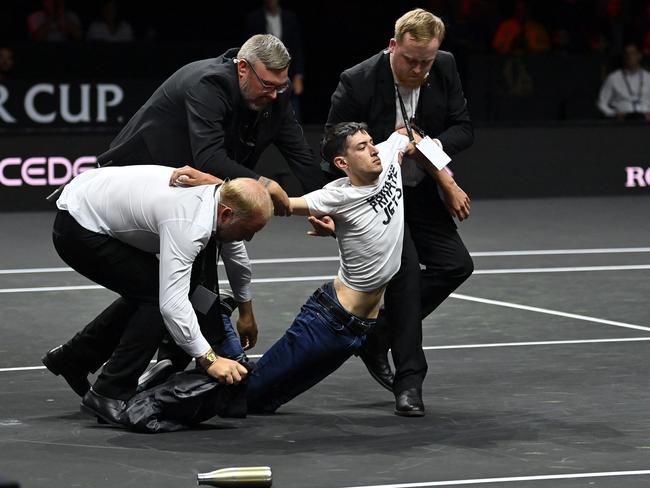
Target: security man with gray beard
[{"x": 219, "y": 115}]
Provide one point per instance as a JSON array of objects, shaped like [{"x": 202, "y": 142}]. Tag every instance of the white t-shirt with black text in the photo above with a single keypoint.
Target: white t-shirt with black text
[{"x": 369, "y": 221}]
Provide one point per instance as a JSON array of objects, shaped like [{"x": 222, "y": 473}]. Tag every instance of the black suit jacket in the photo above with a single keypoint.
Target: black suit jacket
[
  {"x": 366, "y": 93},
  {"x": 198, "y": 117}
]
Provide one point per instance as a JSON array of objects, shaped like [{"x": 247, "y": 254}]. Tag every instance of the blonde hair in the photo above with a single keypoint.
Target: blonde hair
[
  {"x": 421, "y": 24},
  {"x": 247, "y": 197}
]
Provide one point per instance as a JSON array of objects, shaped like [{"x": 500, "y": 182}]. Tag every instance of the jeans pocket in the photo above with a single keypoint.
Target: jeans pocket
[
  {"x": 331, "y": 323},
  {"x": 340, "y": 337}
]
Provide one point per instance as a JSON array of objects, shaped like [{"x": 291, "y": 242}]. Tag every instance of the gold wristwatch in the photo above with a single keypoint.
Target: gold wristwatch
[{"x": 207, "y": 359}]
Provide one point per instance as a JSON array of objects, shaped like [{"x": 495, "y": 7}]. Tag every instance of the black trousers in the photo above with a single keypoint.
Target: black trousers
[
  {"x": 125, "y": 335},
  {"x": 434, "y": 263}
]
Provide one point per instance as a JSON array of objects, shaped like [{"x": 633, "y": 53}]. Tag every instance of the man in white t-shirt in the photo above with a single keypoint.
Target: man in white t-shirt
[{"x": 367, "y": 208}]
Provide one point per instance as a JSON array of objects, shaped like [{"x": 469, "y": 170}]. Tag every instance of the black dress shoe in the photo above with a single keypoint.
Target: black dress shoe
[
  {"x": 109, "y": 410},
  {"x": 408, "y": 403},
  {"x": 156, "y": 375},
  {"x": 376, "y": 360},
  {"x": 56, "y": 361}
]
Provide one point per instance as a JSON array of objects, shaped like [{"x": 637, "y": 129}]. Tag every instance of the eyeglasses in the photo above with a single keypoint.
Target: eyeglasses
[{"x": 267, "y": 86}]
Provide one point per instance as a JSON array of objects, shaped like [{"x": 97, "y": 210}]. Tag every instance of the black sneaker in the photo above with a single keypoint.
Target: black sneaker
[{"x": 155, "y": 375}]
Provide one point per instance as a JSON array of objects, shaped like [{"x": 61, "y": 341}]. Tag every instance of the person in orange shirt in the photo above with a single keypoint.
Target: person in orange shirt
[{"x": 521, "y": 32}]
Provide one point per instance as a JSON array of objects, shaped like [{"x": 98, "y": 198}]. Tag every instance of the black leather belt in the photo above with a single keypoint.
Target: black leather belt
[{"x": 356, "y": 325}]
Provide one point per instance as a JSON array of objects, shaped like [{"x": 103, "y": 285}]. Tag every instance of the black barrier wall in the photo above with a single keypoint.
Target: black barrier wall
[
  {"x": 505, "y": 162},
  {"x": 602, "y": 159},
  {"x": 32, "y": 165}
]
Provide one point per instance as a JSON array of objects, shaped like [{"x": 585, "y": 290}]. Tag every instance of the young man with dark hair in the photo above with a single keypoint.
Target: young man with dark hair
[{"x": 367, "y": 208}]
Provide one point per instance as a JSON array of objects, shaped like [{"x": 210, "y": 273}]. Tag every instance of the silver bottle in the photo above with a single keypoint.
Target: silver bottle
[{"x": 249, "y": 477}]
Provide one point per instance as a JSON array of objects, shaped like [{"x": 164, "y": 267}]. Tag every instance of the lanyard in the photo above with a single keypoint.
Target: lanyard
[
  {"x": 635, "y": 99},
  {"x": 407, "y": 122}
]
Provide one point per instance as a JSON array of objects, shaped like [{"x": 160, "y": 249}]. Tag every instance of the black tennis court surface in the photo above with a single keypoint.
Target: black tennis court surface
[{"x": 538, "y": 366}]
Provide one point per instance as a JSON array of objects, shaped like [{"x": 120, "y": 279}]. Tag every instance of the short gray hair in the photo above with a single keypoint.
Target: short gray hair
[{"x": 265, "y": 48}]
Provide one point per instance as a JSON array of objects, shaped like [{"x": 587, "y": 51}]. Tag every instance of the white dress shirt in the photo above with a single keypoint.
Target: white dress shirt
[
  {"x": 136, "y": 205},
  {"x": 625, "y": 92},
  {"x": 412, "y": 174}
]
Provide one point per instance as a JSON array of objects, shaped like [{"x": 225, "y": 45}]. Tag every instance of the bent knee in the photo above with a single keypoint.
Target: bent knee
[
  {"x": 454, "y": 272},
  {"x": 465, "y": 268}
]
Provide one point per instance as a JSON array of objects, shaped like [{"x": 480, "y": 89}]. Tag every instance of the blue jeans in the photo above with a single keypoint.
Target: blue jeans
[
  {"x": 315, "y": 345},
  {"x": 230, "y": 345},
  {"x": 225, "y": 342}
]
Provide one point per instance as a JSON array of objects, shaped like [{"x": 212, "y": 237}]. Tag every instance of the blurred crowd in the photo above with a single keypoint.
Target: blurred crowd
[
  {"x": 509, "y": 29},
  {"x": 477, "y": 25},
  {"x": 601, "y": 26}
]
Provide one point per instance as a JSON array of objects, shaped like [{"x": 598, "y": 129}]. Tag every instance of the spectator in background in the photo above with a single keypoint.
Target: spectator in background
[
  {"x": 570, "y": 24},
  {"x": 283, "y": 24},
  {"x": 110, "y": 28},
  {"x": 521, "y": 33},
  {"x": 474, "y": 24},
  {"x": 53, "y": 23},
  {"x": 6, "y": 63},
  {"x": 625, "y": 94},
  {"x": 608, "y": 28},
  {"x": 641, "y": 27}
]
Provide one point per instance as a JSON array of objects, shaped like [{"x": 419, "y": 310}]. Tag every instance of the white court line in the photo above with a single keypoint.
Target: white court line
[
  {"x": 23, "y": 368},
  {"x": 479, "y": 481},
  {"x": 34, "y": 270},
  {"x": 289, "y": 279},
  {"x": 550, "y": 252},
  {"x": 51, "y": 288},
  {"x": 565, "y": 269},
  {"x": 253, "y": 261},
  {"x": 326, "y": 277},
  {"x": 533, "y": 252},
  {"x": 34, "y": 368},
  {"x": 549, "y": 312},
  {"x": 437, "y": 348},
  {"x": 536, "y": 343}
]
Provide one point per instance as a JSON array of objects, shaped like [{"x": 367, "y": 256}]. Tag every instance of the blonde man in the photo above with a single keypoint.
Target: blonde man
[
  {"x": 416, "y": 81},
  {"x": 111, "y": 224}
]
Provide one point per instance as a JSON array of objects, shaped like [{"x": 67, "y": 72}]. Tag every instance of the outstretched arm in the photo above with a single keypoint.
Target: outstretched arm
[
  {"x": 323, "y": 226},
  {"x": 299, "y": 206}
]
